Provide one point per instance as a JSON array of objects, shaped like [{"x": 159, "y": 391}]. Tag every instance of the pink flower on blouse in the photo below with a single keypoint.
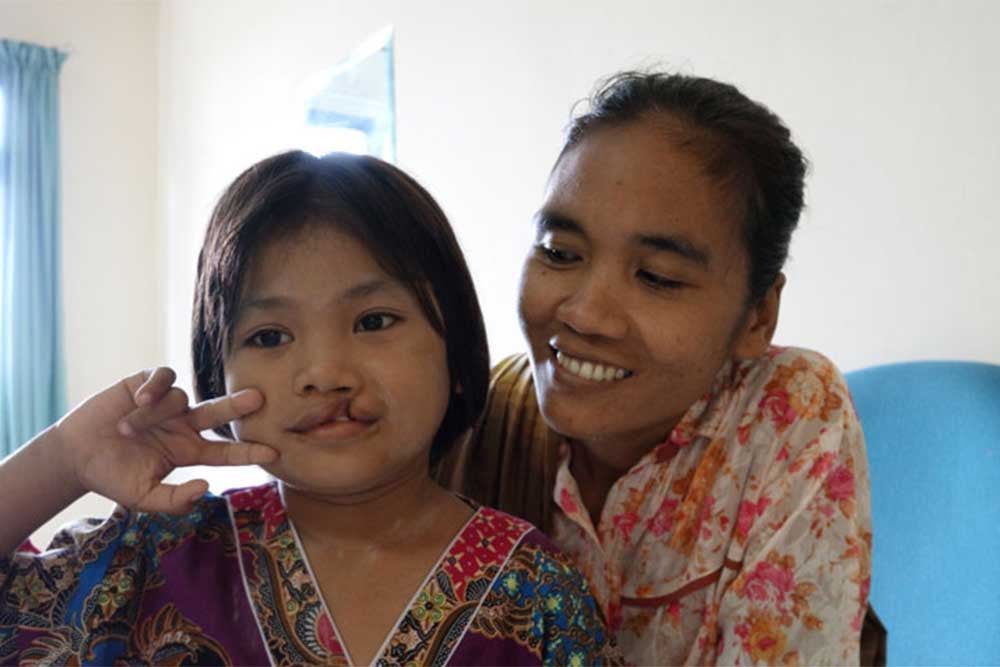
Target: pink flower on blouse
[
  {"x": 567, "y": 503},
  {"x": 663, "y": 521},
  {"x": 822, "y": 464},
  {"x": 681, "y": 436},
  {"x": 748, "y": 512},
  {"x": 768, "y": 577},
  {"x": 624, "y": 523},
  {"x": 840, "y": 484},
  {"x": 775, "y": 405}
]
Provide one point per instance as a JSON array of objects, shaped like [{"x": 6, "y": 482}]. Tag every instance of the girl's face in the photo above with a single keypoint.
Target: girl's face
[
  {"x": 634, "y": 294},
  {"x": 354, "y": 377}
]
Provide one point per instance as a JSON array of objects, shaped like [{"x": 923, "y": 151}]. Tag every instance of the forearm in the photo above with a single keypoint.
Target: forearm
[{"x": 36, "y": 483}]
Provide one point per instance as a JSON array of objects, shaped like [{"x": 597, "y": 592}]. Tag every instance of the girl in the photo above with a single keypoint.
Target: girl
[{"x": 336, "y": 328}]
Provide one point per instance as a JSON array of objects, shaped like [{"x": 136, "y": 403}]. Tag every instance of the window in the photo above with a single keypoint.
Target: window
[
  {"x": 351, "y": 107},
  {"x": 3, "y": 171}
]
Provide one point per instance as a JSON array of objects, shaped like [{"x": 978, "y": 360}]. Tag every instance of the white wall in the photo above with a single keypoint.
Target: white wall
[
  {"x": 111, "y": 262},
  {"x": 892, "y": 101}
]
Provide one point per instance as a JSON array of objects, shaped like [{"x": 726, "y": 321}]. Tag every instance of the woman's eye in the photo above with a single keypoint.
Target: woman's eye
[
  {"x": 269, "y": 338},
  {"x": 658, "y": 281},
  {"x": 555, "y": 255},
  {"x": 375, "y": 322}
]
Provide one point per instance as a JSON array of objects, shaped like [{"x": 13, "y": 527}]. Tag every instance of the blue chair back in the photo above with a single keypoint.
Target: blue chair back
[{"x": 933, "y": 435}]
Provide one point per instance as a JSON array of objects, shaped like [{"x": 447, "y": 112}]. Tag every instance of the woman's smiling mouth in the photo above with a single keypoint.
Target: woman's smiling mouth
[{"x": 590, "y": 370}]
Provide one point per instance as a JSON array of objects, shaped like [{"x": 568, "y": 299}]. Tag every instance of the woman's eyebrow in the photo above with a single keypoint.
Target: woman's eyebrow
[
  {"x": 548, "y": 221},
  {"x": 677, "y": 245}
]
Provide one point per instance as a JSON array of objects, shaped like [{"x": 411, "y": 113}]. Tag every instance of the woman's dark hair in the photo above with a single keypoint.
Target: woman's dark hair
[
  {"x": 386, "y": 211},
  {"x": 744, "y": 146}
]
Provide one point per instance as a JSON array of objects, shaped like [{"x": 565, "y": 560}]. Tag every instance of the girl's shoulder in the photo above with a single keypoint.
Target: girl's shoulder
[
  {"x": 495, "y": 537},
  {"x": 124, "y": 534},
  {"x": 541, "y": 598},
  {"x": 494, "y": 527},
  {"x": 97, "y": 569}
]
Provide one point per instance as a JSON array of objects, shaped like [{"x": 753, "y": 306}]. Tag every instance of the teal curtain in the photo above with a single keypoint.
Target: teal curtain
[{"x": 32, "y": 381}]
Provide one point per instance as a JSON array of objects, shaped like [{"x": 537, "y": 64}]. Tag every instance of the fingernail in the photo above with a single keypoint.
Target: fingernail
[{"x": 125, "y": 429}]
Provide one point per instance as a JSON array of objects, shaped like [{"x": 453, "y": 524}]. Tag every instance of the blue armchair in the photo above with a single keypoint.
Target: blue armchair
[{"x": 933, "y": 434}]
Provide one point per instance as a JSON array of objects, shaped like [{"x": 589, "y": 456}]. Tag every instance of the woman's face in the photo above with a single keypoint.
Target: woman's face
[{"x": 634, "y": 294}]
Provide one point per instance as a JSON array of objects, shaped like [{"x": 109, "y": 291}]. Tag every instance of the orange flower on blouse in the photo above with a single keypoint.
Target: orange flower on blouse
[{"x": 745, "y": 537}]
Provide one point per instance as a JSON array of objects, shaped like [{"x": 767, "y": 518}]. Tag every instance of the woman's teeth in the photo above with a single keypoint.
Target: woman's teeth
[{"x": 590, "y": 370}]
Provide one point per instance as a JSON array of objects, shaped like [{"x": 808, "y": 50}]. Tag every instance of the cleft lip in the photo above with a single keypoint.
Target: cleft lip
[{"x": 330, "y": 412}]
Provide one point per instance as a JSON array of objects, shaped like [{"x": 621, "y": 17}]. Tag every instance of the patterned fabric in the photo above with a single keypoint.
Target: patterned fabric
[
  {"x": 230, "y": 584},
  {"x": 744, "y": 538}
]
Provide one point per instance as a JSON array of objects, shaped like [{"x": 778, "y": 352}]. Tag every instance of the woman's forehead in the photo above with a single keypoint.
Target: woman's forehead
[{"x": 635, "y": 180}]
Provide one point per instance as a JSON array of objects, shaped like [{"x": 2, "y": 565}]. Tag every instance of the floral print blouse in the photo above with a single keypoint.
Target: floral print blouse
[{"x": 745, "y": 537}]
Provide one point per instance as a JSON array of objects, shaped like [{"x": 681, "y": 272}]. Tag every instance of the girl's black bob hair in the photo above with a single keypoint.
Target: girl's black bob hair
[{"x": 386, "y": 211}]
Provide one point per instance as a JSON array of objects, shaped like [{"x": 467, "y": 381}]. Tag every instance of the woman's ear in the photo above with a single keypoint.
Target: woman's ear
[{"x": 758, "y": 328}]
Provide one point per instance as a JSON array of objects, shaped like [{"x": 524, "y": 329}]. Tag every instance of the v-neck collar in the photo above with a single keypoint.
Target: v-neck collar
[
  {"x": 406, "y": 609},
  {"x": 293, "y": 615}
]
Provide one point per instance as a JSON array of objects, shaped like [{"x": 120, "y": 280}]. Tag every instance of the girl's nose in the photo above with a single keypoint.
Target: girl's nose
[
  {"x": 593, "y": 309},
  {"x": 327, "y": 370}
]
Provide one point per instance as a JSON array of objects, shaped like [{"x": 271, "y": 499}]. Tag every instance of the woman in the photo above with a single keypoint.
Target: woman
[{"x": 713, "y": 488}]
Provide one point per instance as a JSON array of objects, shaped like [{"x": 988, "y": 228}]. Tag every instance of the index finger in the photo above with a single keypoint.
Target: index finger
[
  {"x": 220, "y": 411},
  {"x": 156, "y": 385}
]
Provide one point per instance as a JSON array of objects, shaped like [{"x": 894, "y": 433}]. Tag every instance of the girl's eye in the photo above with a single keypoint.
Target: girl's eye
[
  {"x": 375, "y": 322},
  {"x": 555, "y": 255},
  {"x": 659, "y": 282},
  {"x": 269, "y": 338}
]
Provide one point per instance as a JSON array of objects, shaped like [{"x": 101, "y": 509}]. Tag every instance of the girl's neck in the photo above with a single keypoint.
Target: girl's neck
[{"x": 394, "y": 514}]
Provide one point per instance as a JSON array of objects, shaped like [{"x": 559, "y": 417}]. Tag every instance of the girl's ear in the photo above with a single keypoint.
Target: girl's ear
[{"x": 758, "y": 329}]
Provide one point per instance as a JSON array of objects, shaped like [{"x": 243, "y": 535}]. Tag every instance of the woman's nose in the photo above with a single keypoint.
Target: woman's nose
[
  {"x": 328, "y": 368},
  {"x": 594, "y": 309}
]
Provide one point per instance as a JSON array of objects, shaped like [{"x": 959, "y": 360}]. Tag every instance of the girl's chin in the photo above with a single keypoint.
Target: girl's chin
[{"x": 344, "y": 482}]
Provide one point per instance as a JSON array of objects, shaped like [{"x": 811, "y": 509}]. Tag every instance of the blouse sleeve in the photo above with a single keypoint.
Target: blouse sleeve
[
  {"x": 802, "y": 588},
  {"x": 39, "y": 592}
]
